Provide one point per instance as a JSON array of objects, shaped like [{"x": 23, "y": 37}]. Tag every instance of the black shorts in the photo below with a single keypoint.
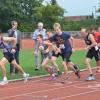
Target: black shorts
[
  {"x": 65, "y": 56},
  {"x": 9, "y": 56},
  {"x": 93, "y": 53}
]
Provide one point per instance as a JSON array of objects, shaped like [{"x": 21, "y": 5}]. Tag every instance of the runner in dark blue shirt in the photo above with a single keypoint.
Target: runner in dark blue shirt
[{"x": 62, "y": 40}]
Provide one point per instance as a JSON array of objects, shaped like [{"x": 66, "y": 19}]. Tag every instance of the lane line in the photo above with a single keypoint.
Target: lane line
[{"x": 74, "y": 95}]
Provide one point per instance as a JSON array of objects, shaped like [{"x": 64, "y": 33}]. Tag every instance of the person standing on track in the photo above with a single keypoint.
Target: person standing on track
[
  {"x": 9, "y": 57},
  {"x": 92, "y": 51}
]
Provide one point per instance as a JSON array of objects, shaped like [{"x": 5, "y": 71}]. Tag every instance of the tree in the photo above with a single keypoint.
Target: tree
[
  {"x": 49, "y": 14},
  {"x": 53, "y": 2},
  {"x": 20, "y": 10}
]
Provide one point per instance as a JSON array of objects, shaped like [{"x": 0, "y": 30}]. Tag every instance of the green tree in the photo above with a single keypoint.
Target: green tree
[
  {"x": 20, "y": 10},
  {"x": 49, "y": 14}
]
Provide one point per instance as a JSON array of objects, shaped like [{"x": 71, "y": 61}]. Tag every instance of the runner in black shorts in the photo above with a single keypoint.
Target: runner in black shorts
[
  {"x": 92, "y": 51},
  {"x": 63, "y": 42},
  {"x": 8, "y": 57}
]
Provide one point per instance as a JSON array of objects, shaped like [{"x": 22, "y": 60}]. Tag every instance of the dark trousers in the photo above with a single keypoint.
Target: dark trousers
[{"x": 16, "y": 55}]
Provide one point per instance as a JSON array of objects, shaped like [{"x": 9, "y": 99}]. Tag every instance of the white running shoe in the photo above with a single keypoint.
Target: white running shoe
[
  {"x": 3, "y": 82},
  {"x": 25, "y": 76}
]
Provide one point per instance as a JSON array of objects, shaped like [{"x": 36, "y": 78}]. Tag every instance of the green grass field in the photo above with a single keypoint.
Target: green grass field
[{"x": 27, "y": 61}]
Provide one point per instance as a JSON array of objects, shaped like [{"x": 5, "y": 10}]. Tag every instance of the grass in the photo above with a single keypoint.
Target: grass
[{"x": 27, "y": 62}]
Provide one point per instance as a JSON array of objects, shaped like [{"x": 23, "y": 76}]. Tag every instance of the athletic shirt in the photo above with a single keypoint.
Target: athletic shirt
[
  {"x": 87, "y": 41},
  {"x": 3, "y": 46},
  {"x": 62, "y": 42}
]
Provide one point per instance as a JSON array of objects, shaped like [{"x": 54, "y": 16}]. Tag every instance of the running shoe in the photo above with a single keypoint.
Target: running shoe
[
  {"x": 52, "y": 77},
  {"x": 25, "y": 76},
  {"x": 3, "y": 82},
  {"x": 90, "y": 78}
]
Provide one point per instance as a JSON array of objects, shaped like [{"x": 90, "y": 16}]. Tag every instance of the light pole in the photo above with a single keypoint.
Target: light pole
[{"x": 95, "y": 14}]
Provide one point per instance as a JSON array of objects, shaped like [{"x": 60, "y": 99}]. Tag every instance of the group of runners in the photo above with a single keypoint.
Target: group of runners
[{"x": 58, "y": 44}]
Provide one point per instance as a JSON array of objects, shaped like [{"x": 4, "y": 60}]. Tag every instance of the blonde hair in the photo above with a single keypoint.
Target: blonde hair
[{"x": 56, "y": 25}]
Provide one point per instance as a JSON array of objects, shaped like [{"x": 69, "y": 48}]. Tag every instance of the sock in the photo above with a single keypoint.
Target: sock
[
  {"x": 4, "y": 78},
  {"x": 24, "y": 74}
]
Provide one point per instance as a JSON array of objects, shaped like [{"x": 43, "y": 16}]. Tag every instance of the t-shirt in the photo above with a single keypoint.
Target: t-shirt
[
  {"x": 3, "y": 46},
  {"x": 62, "y": 42}
]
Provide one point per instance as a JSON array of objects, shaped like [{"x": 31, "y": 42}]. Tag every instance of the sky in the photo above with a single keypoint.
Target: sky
[{"x": 78, "y": 7}]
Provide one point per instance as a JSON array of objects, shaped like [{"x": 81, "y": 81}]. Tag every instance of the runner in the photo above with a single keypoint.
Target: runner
[
  {"x": 92, "y": 51},
  {"x": 8, "y": 57},
  {"x": 64, "y": 49}
]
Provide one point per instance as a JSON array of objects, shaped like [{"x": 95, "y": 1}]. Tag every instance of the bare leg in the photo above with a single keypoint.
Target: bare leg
[
  {"x": 65, "y": 67},
  {"x": 87, "y": 62},
  {"x": 17, "y": 66},
  {"x": 98, "y": 65},
  {"x": 2, "y": 66},
  {"x": 53, "y": 61},
  {"x": 46, "y": 66}
]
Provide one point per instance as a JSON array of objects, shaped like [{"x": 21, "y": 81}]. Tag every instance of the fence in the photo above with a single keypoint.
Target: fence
[{"x": 75, "y": 34}]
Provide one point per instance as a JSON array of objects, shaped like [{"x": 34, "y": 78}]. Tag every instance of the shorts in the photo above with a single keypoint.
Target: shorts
[
  {"x": 93, "y": 53},
  {"x": 9, "y": 56},
  {"x": 65, "y": 56}
]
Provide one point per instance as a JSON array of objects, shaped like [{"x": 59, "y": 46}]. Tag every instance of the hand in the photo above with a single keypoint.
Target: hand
[
  {"x": 13, "y": 50},
  {"x": 35, "y": 53},
  {"x": 58, "y": 50}
]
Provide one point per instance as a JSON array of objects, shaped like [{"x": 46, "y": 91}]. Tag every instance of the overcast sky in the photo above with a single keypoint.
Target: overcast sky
[{"x": 79, "y": 7}]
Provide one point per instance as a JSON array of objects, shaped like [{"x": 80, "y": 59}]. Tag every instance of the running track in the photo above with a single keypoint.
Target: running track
[{"x": 43, "y": 89}]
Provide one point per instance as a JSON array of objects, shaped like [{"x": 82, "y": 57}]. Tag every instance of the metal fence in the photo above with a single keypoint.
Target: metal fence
[{"x": 75, "y": 34}]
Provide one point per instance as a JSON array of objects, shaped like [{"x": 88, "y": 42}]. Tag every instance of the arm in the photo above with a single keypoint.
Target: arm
[
  {"x": 10, "y": 39},
  {"x": 71, "y": 40},
  {"x": 92, "y": 40},
  {"x": 34, "y": 36}
]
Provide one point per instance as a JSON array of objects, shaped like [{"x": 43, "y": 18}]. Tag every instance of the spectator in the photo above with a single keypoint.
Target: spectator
[
  {"x": 14, "y": 32},
  {"x": 38, "y": 31}
]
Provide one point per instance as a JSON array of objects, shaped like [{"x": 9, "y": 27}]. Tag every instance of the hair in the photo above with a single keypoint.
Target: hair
[
  {"x": 12, "y": 22},
  {"x": 41, "y": 36},
  {"x": 40, "y": 24},
  {"x": 56, "y": 25}
]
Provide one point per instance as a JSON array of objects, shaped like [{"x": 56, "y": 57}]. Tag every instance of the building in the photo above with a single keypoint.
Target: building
[{"x": 77, "y": 18}]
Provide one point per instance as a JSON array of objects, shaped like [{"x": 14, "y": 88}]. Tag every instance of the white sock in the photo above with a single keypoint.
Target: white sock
[{"x": 4, "y": 78}]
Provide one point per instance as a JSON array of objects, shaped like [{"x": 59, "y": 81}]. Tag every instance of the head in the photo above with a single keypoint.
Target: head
[
  {"x": 40, "y": 25},
  {"x": 14, "y": 24},
  {"x": 49, "y": 34},
  {"x": 93, "y": 30},
  {"x": 40, "y": 38},
  {"x": 84, "y": 32},
  {"x": 57, "y": 28}
]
